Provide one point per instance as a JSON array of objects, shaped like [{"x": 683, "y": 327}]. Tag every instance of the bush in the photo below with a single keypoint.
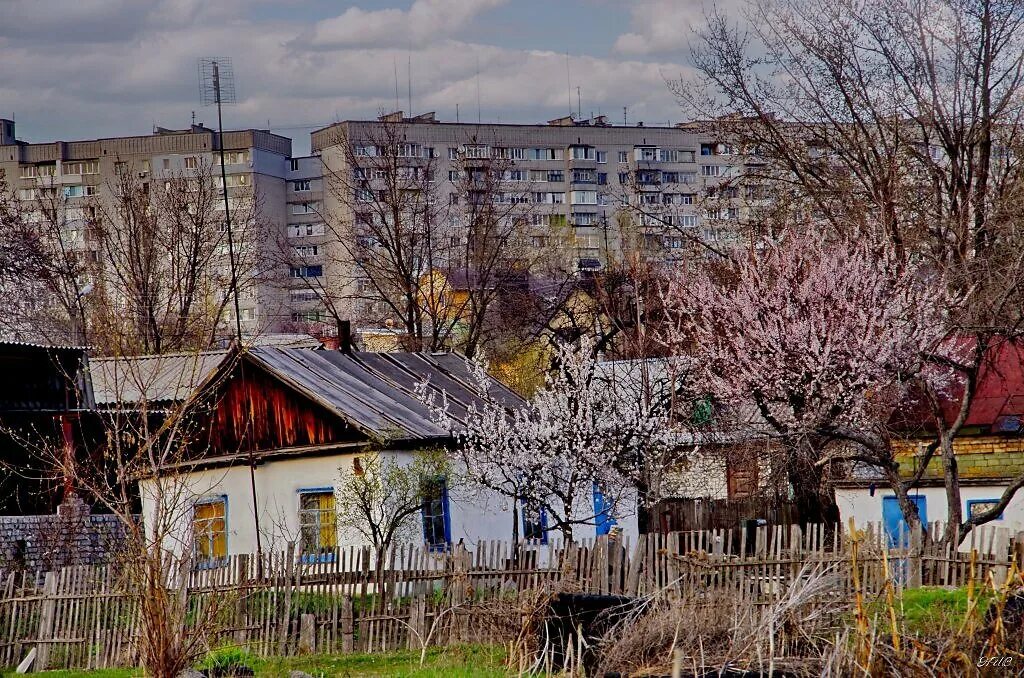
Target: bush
[{"x": 231, "y": 661}]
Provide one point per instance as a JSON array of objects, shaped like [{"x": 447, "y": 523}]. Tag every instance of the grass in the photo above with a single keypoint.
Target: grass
[
  {"x": 932, "y": 609},
  {"x": 457, "y": 661}
]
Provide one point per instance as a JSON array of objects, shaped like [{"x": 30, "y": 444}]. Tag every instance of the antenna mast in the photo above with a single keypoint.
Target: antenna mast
[{"x": 217, "y": 86}]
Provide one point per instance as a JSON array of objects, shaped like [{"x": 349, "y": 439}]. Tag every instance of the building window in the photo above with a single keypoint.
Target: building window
[
  {"x": 584, "y": 197},
  {"x": 623, "y": 156},
  {"x": 293, "y": 165},
  {"x": 535, "y": 524},
  {"x": 301, "y": 185},
  {"x": 318, "y": 524},
  {"x": 437, "y": 530},
  {"x": 307, "y": 250},
  {"x": 307, "y": 271},
  {"x": 191, "y": 162},
  {"x": 602, "y": 156},
  {"x": 976, "y": 507},
  {"x": 710, "y": 170},
  {"x": 209, "y": 530},
  {"x": 167, "y": 163}
]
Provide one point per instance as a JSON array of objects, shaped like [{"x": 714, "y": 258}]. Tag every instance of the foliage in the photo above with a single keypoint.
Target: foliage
[
  {"x": 230, "y": 660},
  {"x": 380, "y": 495}
]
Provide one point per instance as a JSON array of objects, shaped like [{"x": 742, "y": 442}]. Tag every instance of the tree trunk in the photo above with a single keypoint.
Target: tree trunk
[{"x": 814, "y": 499}]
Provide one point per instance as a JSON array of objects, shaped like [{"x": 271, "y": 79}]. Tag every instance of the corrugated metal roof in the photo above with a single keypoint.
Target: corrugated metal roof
[
  {"x": 152, "y": 379},
  {"x": 377, "y": 391}
]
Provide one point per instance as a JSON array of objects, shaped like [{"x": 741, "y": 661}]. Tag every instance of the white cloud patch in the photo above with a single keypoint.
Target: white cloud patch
[
  {"x": 668, "y": 26},
  {"x": 426, "y": 21},
  {"x": 80, "y": 89}
]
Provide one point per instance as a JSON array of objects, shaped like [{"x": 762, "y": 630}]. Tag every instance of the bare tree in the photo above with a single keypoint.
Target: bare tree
[
  {"x": 899, "y": 122},
  {"x": 167, "y": 280}
]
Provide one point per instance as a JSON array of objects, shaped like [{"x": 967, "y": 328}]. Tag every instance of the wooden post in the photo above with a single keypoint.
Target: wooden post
[
  {"x": 286, "y": 611},
  {"x": 47, "y": 612},
  {"x": 347, "y": 625},
  {"x": 914, "y": 562},
  {"x": 307, "y": 634}
]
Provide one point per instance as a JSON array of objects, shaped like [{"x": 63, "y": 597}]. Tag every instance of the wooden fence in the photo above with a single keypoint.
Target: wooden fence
[{"x": 283, "y": 603}]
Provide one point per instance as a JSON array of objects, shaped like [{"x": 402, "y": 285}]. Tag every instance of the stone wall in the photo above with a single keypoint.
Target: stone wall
[{"x": 72, "y": 536}]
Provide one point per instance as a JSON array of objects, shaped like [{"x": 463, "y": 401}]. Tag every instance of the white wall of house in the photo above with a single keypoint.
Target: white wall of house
[
  {"x": 473, "y": 515},
  {"x": 857, "y": 503}
]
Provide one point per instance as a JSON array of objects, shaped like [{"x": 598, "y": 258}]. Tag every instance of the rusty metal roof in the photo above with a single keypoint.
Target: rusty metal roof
[{"x": 376, "y": 392}]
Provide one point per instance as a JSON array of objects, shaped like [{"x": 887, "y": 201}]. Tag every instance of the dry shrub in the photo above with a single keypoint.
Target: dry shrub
[{"x": 713, "y": 629}]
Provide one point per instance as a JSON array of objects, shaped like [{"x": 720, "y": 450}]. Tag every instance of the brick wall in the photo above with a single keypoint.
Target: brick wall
[
  {"x": 977, "y": 456},
  {"x": 72, "y": 536}
]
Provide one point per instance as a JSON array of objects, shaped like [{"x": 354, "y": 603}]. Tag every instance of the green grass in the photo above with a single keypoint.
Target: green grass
[
  {"x": 932, "y": 609},
  {"x": 459, "y": 661}
]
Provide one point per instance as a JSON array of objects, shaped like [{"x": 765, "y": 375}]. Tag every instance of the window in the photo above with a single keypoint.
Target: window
[
  {"x": 546, "y": 153},
  {"x": 307, "y": 250},
  {"x": 558, "y": 176},
  {"x": 602, "y": 178},
  {"x": 307, "y": 207},
  {"x": 646, "y": 153},
  {"x": 33, "y": 171},
  {"x": 26, "y": 193},
  {"x": 318, "y": 524},
  {"x": 209, "y": 530},
  {"x": 74, "y": 191},
  {"x": 454, "y": 175},
  {"x": 707, "y": 149},
  {"x": 408, "y": 150},
  {"x": 232, "y": 158},
  {"x": 538, "y": 175},
  {"x": 307, "y": 271},
  {"x": 453, "y": 153},
  {"x": 301, "y": 185},
  {"x": 514, "y": 175},
  {"x": 478, "y": 152},
  {"x": 582, "y": 152},
  {"x": 191, "y": 162},
  {"x": 300, "y": 296},
  {"x": 535, "y": 524},
  {"x": 686, "y": 198},
  {"x": 86, "y": 167},
  {"x": 670, "y": 177},
  {"x": 602, "y": 156},
  {"x": 584, "y": 197},
  {"x": 623, "y": 177},
  {"x": 167, "y": 163},
  {"x": 366, "y": 151},
  {"x": 688, "y": 221},
  {"x": 584, "y": 176},
  {"x": 549, "y": 198},
  {"x": 293, "y": 165},
  {"x": 584, "y": 218},
  {"x": 248, "y": 313},
  {"x": 302, "y": 230},
  {"x": 307, "y": 316},
  {"x": 976, "y": 507},
  {"x": 510, "y": 153},
  {"x": 623, "y": 157},
  {"x": 710, "y": 170},
  {"x": 437, "y": 531}
]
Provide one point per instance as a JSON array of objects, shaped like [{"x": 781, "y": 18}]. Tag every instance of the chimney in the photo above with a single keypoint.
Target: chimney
[{"x": 345, "y": 337}]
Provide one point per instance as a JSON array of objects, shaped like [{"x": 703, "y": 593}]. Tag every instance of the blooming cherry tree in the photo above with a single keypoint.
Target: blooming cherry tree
[
  {"x": 820, "y": 336},
  {"x": 576, "y": 432}
]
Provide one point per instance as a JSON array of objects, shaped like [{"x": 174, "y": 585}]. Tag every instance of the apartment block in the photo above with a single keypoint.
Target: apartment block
[
  {"x": 84, "y": 174},
  {"x": 676, "y": 184}
]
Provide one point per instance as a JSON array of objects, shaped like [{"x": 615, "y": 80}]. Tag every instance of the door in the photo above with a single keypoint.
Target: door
[
  {"x": 603, "y": 518},
  {"x": 895, "y": 525}
]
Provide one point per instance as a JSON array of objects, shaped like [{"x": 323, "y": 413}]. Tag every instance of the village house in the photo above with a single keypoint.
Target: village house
[
  {"x": 989, "y": 450},
  {"x": 279, "y": 427}
]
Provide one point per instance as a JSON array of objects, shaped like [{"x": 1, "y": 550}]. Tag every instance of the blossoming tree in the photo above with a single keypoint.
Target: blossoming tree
[
  {"x": 576, "y": 433},
  {"x": 820, "y": 336}
]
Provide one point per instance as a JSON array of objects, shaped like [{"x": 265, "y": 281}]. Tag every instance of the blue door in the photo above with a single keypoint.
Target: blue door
[
  {"x": 603, "y": 519},
  {"x": 895, "y": 525}
]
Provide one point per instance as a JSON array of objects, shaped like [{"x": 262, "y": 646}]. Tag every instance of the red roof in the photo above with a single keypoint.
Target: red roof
[{"x": 1000, "y": 391}]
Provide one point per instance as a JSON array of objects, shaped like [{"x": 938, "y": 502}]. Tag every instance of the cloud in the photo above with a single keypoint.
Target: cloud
[
  {"x": 147, "y": 75},
  {"x": 424, "y": 22},
  {"x": 667, "y": 26}
]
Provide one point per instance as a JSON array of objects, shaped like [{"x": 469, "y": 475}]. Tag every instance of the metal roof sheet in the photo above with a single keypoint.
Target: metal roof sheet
[
  {"x": 171, "y": 377},
  {"x": 377, "y": 391}
]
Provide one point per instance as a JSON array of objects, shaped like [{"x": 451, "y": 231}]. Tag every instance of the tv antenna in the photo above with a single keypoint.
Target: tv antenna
[{"x": 217, "y": 86}]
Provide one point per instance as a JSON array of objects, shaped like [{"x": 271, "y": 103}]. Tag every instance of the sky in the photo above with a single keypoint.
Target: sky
[{"x": 80, "y": 69}]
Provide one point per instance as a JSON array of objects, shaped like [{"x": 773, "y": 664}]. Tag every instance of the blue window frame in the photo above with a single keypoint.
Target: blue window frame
[
  {"x": 210, "y": 531},
  {"x": 318, "y": 525},
  {"x": 535, "y": 524},
  {"x": 437, "y": 525},
  {"x": 975, "y": 506},
  {"x": 603, "y": 507}
]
